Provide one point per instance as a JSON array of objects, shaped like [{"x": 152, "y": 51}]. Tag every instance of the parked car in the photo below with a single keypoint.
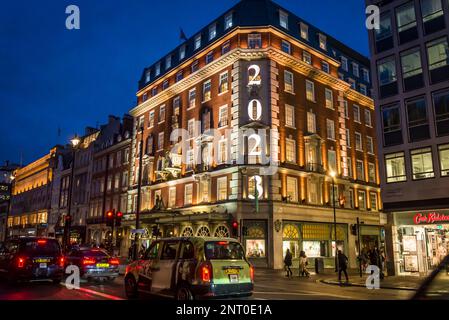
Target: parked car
[
  {"x": 94, "y": 263},
  {"x": 191, "y": 268},
  {"x": 436, "y": 286},
  {"x": 31, "y": 259}
]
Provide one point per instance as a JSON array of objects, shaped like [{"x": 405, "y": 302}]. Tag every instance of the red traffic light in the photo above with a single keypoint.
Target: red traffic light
[
  {"x": 119, "y": 214},
  {"x": 235, "y": 224},
  {"x": 109, "y": 214}
]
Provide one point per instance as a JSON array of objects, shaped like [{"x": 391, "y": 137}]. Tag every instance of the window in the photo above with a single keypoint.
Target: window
[
  {"x": 197, "y": 43},
  {"x": 179, "y": 76},
  {"x": 356, "y": 109},
  {"x": 422, "y": 165},
  {"x": 438, "y": 56},
  {"x": 304, "y": 31},
  {"x": 371, "y": 172},
  {"x": 191, "y": 128},
  {"x": 330, "y": 125},
  {"x": 160, "y": 141},
  {"x": 292, "y": 189},
  {"x": 392, "y": 125},
  {"x": 363, "y": 89},
  {"x": 209, "y": 57},
  {"x": 355, "y": 69},
  {"x": 405, "y": 16},
  {"x": 154, "y": 91},
  {"x": 349, "y": 165},
  {"x": 310, "y": 90},
  {"x": 148, "y": 76},
  {"x": 365, "y": 75},
  {"x": 443, "y": 151},
  {"x": 161, "y": 114},
  {"x": 192, "y": 98},
  {"x": 226, "y": 47},
  {"x": 418, "y": 126},
  {"x": 157, "y": 69},
  {"x": 352, "y": 83},
  {"x": 360, "y": 170},
  {"x": 228, "y": 21},
  {"x": 358, "y": 142},
  {"x": 348, "y": 138},
  {"x": 195, "y": 66},
  {"x": 168, "y": 62},
  {"x": 124, "y": 180},
  {"x": 172, "y": 197},
  {"x": 311, "y": 122},
  {"x": 290, "y": 153},
  {"x": 222, "y": 189},
  {"x": 385, "y": 30},
  {"x": 387, "y": 71},
  {"x": 441, "y": 106},
  {"x": 212, "y": 31},
  {"x": 188, "y": 194},
  {"x": 332, "y": 160},
  {"x": 369, "y": 145},
  {"x": 289, "y": 116},
  {"x": 368, "y": 121},
  {"x": 223, "y": 117},
  {"x": 288, "y": 81},
  {"x": 190, "y": 159},
  {"x": 431, "y": 9},
  {"x": 165, "y": 84},
  {"x": 255, "y": 41},
  {"x": 145, "y": 97},
  {"x": 344, "y": 63},
  {"x": 307, "y": 57},
  {"x": 325, "y": 66},
  {"x": 411, "y": 63},
  {"x": 329, "y": 99},
  {"x": 323, "y": 41},
  {"x": 395, "y": 167},
  {"x": 207, "y": 90},
  {"x": 222, "y": 150},
  {"x": 286, "y": 47},
  {"x": 223, "y": 85},
  {"x": 346, "y": 107},
  {"x": 182, "y": 52},
  {"x": 362, "y": 200},
  {"x": 151, "y": 120},
  {"x": 373, "y": 201},
  {"x": 283, "y": 19}
]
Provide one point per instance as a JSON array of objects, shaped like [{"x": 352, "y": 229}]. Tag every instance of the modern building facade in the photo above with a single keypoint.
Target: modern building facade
[
  {"x": 410, "y": 62},
  {"x": 238, "y": 130}
]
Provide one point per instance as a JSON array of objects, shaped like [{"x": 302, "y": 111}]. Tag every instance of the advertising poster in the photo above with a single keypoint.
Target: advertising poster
[{"x": 255, "y": 248}]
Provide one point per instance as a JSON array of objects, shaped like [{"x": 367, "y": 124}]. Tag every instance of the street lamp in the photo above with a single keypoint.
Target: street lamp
[
  {"x": 333, "y": 174},
  {"x": 68, "y": 219},
  {"x": 139, "y": 190}
]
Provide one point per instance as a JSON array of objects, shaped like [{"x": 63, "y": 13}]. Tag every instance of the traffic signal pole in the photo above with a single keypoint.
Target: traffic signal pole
[{"x": 360, "y": 247}]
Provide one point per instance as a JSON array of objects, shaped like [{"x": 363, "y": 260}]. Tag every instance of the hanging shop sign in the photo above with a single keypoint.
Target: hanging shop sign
[{"x": 431, "y": 217}]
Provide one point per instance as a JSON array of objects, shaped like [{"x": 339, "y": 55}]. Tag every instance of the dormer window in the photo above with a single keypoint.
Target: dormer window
[
  {"x": 158, "y": 69},
  {"x": 212, "y": 31},
  {"x": 148, "y": 76},
  {"x": 283, "y": 19},
  {"x": 323, "y": 41},
  {"x": 228, "y": 21},
  {"x": 168, "y": 62},
  {"x": 255, "y": 41},
  {"x": 182, "y": 52},
  {"x": 197, "y": 42},
  {"x": 304, "y": 31}
]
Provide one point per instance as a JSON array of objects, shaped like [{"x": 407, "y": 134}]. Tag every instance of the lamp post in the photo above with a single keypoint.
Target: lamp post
[
  {"x": 333, "y": 174},
  {"x": 139, "y": 190},
  {"x": 68, "y": 219},
  {"x": 8, "y": 209}
]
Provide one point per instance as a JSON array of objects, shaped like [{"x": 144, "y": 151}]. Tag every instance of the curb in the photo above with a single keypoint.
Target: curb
[{"x": 363, "y": 286}]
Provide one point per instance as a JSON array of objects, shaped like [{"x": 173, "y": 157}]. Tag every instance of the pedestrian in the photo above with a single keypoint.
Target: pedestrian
[
  {"x": 342, "y": 265},
  {"x": 364, "y": 258},
  {"x": 142, "y": 251},
  {"x": 303, "y": 262},
  {"x": 288, "y": 263}
]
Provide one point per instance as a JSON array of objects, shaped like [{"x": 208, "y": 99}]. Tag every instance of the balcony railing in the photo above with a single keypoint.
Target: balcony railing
[{"x": 315, "y": 167}]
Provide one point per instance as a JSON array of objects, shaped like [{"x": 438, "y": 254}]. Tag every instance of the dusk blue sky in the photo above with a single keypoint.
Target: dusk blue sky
[{"x": 54, "y": 78}]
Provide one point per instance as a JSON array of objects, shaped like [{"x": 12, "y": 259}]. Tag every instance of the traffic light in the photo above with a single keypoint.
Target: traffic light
[
  {"x": 110, "y": 218},
  {"x": 235, "y": 229},
  {"x": 118, "y": 219}
]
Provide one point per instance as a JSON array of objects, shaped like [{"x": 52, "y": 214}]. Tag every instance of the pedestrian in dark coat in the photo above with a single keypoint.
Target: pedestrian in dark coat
[
  {"x": 342, "y": 265},
  {"x": 288, "y": 263}
]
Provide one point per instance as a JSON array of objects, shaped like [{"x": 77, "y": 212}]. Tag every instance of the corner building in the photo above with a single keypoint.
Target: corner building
[
  {"x": 288, "y": 104},
  {"x": 410, "y": 63}
]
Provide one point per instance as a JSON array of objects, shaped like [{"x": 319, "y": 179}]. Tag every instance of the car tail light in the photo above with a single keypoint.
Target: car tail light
[
  {"x": 21, "y": 262},
  {"x": 114, "y": 261},
  {"x": 88, "y": 260},
  {"x": 61, "y": 262},
  {"x": 251, "y": 273},
  {"x": 206, "y": 272},
  {"x": 41, "y": 241}
]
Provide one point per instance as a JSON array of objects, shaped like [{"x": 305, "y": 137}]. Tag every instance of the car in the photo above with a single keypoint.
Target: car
[
  {"x": 94, "y": 263},
  {"x": 31, "y": 259},
  {"x": 191, "y": 268},
  {"x": 436, "y": 286}
]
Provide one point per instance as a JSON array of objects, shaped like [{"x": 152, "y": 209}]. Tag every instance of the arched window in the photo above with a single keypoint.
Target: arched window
[
  {"x": 221, "y": 232},
  {"x": 187, "y": 232},
  {"x": 203, "y": 231},
  {"x": 290, "y": 232}
]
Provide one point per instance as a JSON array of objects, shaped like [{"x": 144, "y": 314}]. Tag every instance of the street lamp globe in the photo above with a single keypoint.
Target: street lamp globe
[
  {"x": 333, "y": 174},
  {"x": 75, "y": 141}
]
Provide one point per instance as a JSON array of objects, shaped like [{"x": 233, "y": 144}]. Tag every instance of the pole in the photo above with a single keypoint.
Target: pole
[
  {"x": 360, "y": 247},
  {"x": 105, "y": 191},
  {"x": 335, "y": 227},
  {"x": 139, "y": 189},
  {"x": 112, "y": 233},
  {"x": 68, "y": 220}
]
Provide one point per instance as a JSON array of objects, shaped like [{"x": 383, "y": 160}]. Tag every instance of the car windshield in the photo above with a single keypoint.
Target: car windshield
[
  {"x": 94, "y": 253},
  {"x": 224, "y": 250},
  {"x": 40, "y": 247}
]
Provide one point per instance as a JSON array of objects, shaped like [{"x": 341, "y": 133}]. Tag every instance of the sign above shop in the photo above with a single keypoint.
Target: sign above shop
[{"x": 431, "y": 217}]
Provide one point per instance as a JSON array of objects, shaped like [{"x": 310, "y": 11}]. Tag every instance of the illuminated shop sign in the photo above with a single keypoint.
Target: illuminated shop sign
[{"x": 431, "y": 217}]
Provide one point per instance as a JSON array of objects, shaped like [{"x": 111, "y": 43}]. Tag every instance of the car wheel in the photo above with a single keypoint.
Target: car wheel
[
  {"x": 131, "y": 288},
  {"x": 183, "y": 294}
]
